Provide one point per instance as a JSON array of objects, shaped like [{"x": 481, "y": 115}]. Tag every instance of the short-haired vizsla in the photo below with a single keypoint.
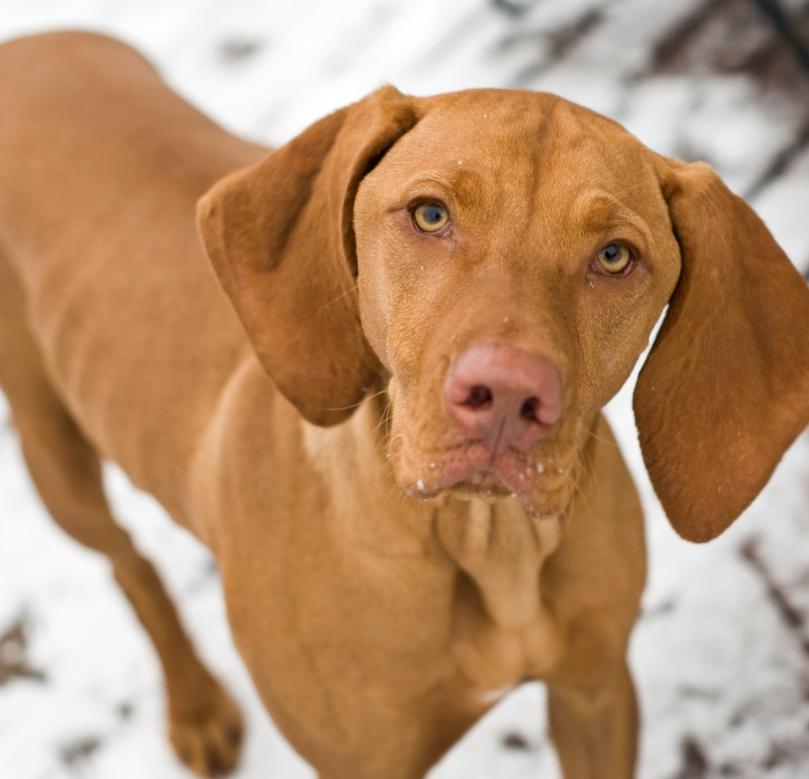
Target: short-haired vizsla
[{"x": 373, "y": 389}]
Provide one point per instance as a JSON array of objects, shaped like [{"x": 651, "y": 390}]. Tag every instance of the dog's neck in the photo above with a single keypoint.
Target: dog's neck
[
  {"x": 502, "y": 550},
  {"x": 496, "y": 544}
]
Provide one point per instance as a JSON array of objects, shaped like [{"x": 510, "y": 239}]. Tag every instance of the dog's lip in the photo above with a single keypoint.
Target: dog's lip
[
  {"x": 484, "y": 483},
  {"x": 469, "y": 468},
  {"x": 490, "y": 488}
]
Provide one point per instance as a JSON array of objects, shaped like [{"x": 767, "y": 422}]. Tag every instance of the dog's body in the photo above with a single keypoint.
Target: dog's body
[{"x": 376, "y": 627}]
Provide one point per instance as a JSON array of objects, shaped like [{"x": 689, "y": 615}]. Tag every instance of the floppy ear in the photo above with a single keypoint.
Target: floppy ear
[
  {"x": 725, "y": 389},
  {"x": 279, "y": 236}
]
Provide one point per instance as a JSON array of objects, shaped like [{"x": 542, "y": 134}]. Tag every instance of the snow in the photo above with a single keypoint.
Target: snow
[{"x": 714, "y": 662}]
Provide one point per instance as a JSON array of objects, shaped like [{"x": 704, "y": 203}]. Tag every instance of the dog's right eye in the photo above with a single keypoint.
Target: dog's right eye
[{"x": 430, "y": 217}]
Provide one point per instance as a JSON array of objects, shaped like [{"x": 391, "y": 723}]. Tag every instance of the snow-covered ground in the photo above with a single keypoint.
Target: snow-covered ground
[{"x": 720, "y": 655}]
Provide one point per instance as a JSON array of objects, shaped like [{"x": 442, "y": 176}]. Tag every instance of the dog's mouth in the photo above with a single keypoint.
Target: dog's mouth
[{"x": 541, "y": 481}]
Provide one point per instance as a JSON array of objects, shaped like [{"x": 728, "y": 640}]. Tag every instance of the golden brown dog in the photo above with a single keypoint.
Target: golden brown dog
[{"x": 381, "y": 412}]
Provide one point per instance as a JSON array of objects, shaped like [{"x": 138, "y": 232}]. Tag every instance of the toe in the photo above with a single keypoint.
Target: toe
[{"x": 207, "y": 738}]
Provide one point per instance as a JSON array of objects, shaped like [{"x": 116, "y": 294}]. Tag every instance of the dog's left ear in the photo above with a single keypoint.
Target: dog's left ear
[
  {"x": 725, "y": 389},
  {"x": 280, "y": 238}
]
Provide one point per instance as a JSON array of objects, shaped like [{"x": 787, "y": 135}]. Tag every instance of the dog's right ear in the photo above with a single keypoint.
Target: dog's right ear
[{"x": 280, "y": 238}]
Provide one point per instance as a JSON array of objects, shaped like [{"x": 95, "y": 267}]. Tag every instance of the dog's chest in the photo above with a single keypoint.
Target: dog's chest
[{"x": 503, "y": 631}]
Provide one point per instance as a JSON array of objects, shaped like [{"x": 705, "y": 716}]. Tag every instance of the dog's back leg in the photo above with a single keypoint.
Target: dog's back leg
[{"x": 204, "y": 725}]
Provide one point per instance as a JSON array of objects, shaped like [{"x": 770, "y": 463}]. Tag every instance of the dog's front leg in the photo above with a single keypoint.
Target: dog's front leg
[{"x": 595, "y": 731}]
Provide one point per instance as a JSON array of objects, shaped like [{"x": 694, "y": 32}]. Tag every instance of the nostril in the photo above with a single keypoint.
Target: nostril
[
  {"x": 479, "y": 397},
  {"x": 502, "y": 396},
  {"x": 529, "y": 409}
]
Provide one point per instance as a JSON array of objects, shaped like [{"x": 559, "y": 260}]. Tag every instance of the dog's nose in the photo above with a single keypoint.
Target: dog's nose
[{"x": 508, "y": 397}]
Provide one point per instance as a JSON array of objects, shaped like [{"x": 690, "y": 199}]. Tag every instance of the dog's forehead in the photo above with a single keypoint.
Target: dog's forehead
[
  {"x": 503, "y": 116},
  {"x": 517, "y": 136},
  {"x": 546, "y": 158}
]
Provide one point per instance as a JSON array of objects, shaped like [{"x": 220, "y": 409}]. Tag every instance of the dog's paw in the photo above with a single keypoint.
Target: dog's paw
[{"x": 207, "y": 737}]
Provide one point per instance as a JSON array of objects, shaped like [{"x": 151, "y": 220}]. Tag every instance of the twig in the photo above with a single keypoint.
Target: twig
[
  {"x": 13, "y": 645},
  {"x": 668, "y": 48},
  {"x": 694, "y": 761},
  {"x": 774, "y": 11},
  {"x": 792, "y": 617},
  {"x": 780, "y": 163}
]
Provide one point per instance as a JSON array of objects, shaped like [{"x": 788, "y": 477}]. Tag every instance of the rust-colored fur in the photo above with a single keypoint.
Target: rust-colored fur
[{"x": 287, "y": 409}]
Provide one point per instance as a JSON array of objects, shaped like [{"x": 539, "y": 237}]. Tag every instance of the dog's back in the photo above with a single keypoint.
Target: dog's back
[
  {"x": 114, "y": 338},
  {"x": 101, "y": 168}
]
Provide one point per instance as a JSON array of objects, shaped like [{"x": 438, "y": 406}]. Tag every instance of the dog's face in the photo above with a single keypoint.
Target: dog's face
[
  {"x": 497, "y": 260},
  {"x": 514, "y": 252}
]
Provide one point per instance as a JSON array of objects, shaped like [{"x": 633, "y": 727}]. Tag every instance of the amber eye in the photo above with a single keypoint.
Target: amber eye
[
  {"x": 430, "y": 217},
  {"x": 614, "y": 258}
]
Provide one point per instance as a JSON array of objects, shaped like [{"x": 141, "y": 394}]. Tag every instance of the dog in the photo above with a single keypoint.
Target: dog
[{"x": 366, "y": 369}]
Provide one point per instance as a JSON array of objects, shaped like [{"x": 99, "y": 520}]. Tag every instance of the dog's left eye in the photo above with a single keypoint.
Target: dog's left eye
[
  {"x": 614, "y": 259},
  {"x": 430, "y": 217}
]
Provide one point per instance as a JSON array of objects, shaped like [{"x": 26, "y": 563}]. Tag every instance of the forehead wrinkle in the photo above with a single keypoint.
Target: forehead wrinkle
[
  {"x": 462, "y": 185},
  {"x": 597, "y": 210},
  {"x": 429, "y": 177}
]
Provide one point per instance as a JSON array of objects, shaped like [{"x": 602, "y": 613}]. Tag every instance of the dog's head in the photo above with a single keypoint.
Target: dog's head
[{"x": 498, "y": 260}]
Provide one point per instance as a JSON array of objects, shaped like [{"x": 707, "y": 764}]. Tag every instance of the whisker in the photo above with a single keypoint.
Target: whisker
[
  {"x": 357, "y": 404},
  {"x": 351, "y": 289},
  {"x": 628, "y": 189},
  {"x": 384, "y": 417},
  {"x": 603, "y": 440}
]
